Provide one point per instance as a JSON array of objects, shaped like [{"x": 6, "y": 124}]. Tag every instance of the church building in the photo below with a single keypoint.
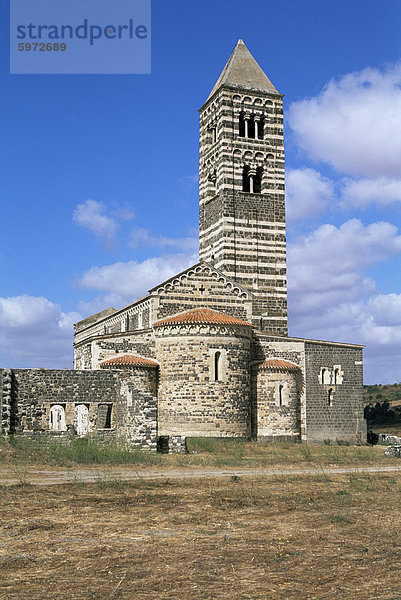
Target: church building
[{"x": 207, "y": 352}]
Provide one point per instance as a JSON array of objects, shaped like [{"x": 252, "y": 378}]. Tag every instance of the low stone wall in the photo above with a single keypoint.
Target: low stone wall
[
  {"x": 5, "y": 400},
  {"x": 389, "y": 439},
  {"x": 63, "y": 403}
]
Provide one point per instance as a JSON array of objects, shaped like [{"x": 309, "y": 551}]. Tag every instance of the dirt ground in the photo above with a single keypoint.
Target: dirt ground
[{"x": 283, "y": 537}]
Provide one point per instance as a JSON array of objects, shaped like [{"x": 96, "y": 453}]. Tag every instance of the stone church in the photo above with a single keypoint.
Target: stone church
[{"x": 207, "y": 352}]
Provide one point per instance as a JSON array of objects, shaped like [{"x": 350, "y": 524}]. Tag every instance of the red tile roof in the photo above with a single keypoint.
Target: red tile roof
[
  {"x": 277, "y": 364},
  {"x": 128, "y": 359},
  {"x": 202, "y": 315}
]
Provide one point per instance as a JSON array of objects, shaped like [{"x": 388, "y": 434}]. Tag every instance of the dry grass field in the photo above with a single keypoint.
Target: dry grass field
[{"x": 241, "y": 538}]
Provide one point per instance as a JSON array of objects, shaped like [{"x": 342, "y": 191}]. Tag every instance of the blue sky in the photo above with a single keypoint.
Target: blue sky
[{"x": 98, "y": 186}]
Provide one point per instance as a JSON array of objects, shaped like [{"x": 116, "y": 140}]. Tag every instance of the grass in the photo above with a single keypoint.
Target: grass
[
  {"x": 23, "y": 453},
  {"x": 205, "y": 539},
  {"x": 79, "y": 451}
]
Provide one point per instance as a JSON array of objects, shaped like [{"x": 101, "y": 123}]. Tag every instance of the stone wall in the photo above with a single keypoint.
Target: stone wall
[
  {"x": 265, "y": 346},
  {"x": 334, "y": 383},
  {"x": 137, "y": 413},
  {"x": 88, "y": 355}
]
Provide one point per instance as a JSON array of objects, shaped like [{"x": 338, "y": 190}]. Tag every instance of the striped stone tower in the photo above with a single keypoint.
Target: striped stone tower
[{"x": 241, "y": 186}]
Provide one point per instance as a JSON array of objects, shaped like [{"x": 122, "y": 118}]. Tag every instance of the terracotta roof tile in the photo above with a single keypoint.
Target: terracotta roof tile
[
  {"x": 277, "y": 364},
  {"x": 202, "y": 315},
  {"x": 128, "y": 359}
]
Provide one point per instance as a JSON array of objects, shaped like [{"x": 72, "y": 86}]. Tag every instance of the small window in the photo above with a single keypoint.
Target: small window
[
  {"x": 241, "y": 125},
  {"x": 330, "y": 395},
  {"x": 260, "y": 128},
  {"x": 252, "y": 180},
  {"x": 245, "y": 180},
  {"x": 280, "y": 394},
  {"x": 212, "y": 133},
  {"x": 217, "y": 366},
  {"x": 251, "y": 128}
]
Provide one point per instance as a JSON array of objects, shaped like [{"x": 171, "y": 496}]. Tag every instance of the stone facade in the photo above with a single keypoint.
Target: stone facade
[
  {"x": 277, "y": 402},
  {"x": 332, "y": 409},
  {"x": 206, "y": 353}
]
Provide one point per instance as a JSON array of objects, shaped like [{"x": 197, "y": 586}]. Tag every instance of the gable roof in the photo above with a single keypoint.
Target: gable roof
[
  {"x": 130, "y": 360},
  {"x": 242, "y": 71},
  {"x": 202, "y": 316}
]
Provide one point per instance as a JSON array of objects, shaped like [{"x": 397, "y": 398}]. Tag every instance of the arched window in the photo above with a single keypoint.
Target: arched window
[
  {"x": 325, "y": 376},
  {"x": 217, "y": 366},
  {"x": 257, "y": 181},
  {"x": 57, "y": 418},
  {"x": 330, "y": 395},
  {"x": 82, "y": 419},
  {"x": 335, "y": 376},
  {"x": 212, "y": 133},
  {"x": 252, "y": 180},
  {"x": 260, "y": 128}
]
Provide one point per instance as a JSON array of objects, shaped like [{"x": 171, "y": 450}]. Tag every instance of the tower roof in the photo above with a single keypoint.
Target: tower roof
[{"x": 242, "y": 71}]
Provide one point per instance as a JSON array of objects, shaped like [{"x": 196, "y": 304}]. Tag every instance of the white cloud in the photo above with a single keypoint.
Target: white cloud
[
  {"x": 354, "y": 124},
  {"x": 330, "y": 297},
  {"x": 92, "y": 215},
  {"x": 141, "y": 237},
  {"x": 307, "y": 193},
  {"x": 35, "y": 332},
  {"x": 361, "y": 193},
  {"x": 327, "y": 266},
  {"x": 374, "y": 322},
  {"x": 131, "y": 280}
]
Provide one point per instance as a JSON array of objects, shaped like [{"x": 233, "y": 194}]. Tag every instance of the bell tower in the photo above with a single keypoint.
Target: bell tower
[{"x": 241, "y": 186}]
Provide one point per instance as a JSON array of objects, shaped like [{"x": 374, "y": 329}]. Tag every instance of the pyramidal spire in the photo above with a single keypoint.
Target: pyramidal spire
[{"x": 242, "y": 71}]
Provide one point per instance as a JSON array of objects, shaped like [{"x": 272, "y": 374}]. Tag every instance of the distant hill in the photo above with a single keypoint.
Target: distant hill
[
  {"x": 390, "y": 393},
  {"x": 383, "y": 408}
]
